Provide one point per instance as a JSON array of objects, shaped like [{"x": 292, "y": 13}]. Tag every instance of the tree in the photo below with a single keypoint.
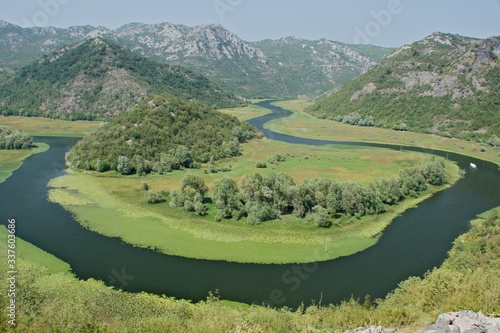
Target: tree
[
  {"x": 434, "y": 173},
  {"x": 359, "y": 200},
  {"x": 260, "y": 212},
  {"x": 226, "y": 198},
  {"x": 251, "y": 187},
  {"x": 140, "y": 166},
  {"x": 177, "y": 199},
  {"x": 494, "y": 141},
  {"x": 164, "y": 164},
  {"x": 275, "y": 190},
  {"x": 124, "y": 167},
  {"x": 183, "y": 156},
  {"x": 401, "y": 127},
  {"x": 192, "y": 185},
  {"x": 334, "y": 198},
  {"x": 389, "y": 190},
  {"x": 413, "y": 181},
  {"x": 199, "y": 207},
  {"x": 102, "y": 166},
  {"x": 15, "y": 140},
  {"x": 321, "y": 217},
  {"x": 293, "y": 193},
  {"x": 154, "y": 197}
]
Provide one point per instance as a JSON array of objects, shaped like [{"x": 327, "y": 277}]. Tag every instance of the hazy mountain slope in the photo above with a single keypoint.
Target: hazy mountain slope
[
  {"x": 314, "y": 67},
  {"x": 284, "y": 68},
  {"x": 98, "y": 78},
  {"x": 444, "y": 84}
]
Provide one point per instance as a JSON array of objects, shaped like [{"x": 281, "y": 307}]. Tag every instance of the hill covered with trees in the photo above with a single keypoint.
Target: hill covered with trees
[
  {"x": 96, "y": 79},
  {"x": 162, "y": 134},
  {"x": 445, "y": 84}
]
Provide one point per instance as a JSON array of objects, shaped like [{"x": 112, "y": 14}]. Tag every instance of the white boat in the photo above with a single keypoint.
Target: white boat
[{"x": 473, "y": 166}]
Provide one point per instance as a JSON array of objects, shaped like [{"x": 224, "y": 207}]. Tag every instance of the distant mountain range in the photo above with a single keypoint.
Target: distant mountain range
[
  {"x": 444, "y": 84},
  {"x": 285, "y": 68},
  {"x": 95, "y": 79}
]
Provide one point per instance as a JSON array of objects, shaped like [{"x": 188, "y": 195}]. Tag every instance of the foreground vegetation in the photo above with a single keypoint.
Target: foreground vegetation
[{"x": 58, "y": 302}]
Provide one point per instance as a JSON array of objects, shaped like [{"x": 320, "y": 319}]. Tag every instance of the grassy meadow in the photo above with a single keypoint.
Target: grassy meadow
[
  {"x": 50, "y": 127},
  {"x": 247, "y": 112}
]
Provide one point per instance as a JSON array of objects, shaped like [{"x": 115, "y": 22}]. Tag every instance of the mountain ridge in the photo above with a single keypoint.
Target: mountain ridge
[{"x": 236, "y": 65}]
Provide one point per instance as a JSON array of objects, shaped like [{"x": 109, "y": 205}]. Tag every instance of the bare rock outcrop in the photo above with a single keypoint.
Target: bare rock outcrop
[{"x": 465, "y": 322}]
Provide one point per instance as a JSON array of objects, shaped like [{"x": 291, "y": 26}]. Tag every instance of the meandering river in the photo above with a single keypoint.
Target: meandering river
[{"x": 415, "y": 242}]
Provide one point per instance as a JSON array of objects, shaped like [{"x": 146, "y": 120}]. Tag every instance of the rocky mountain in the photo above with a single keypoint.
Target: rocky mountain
[
  {"x": 444, "y": 84},
  {"x": 287, "y": 67},
  {"x": 97, "y": 78}
]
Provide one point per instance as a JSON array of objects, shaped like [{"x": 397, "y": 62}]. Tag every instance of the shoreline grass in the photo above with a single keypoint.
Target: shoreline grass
[
  {"x": 11, "y": 160},
  {"x": 29, "y": 252}
]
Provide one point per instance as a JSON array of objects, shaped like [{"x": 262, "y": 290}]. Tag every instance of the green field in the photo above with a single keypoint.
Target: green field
[
  {"x": 50, "y": 127},
  {"x": 247, "y": 112}
]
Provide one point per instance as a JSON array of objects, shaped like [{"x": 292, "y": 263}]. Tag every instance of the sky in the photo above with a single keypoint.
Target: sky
[{"x": 390, "y": 23}]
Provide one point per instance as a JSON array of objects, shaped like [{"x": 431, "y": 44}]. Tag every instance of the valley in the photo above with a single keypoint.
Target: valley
[{"x": 277, "y": 185}]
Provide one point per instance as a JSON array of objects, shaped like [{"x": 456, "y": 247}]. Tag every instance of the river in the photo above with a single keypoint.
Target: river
[{"x": 415, "y": 242}]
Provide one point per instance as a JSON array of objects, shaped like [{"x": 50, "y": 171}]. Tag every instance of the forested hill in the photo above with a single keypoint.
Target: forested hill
[
  {"x": 162, "y": 134},
  {"x": 96, "y": 79},
  {"x": 445, "y": 84}
]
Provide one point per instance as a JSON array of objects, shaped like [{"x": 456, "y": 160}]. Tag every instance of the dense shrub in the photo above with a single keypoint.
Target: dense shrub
[{"x": 14, "y": 139}]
